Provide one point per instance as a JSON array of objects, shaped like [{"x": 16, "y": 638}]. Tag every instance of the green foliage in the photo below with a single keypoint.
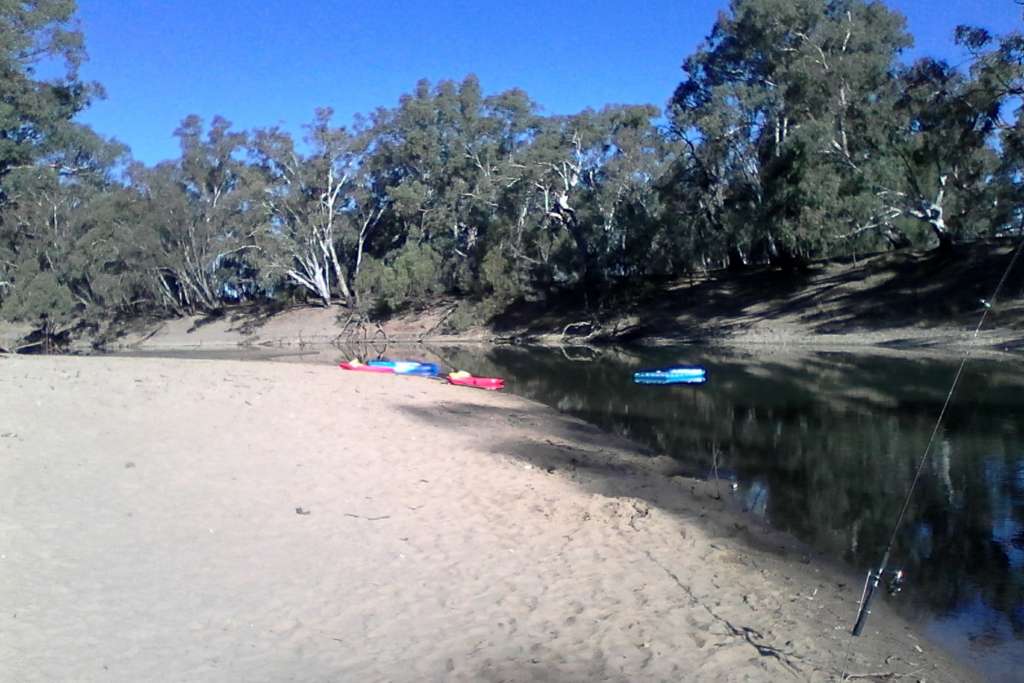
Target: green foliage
[
  {"x": 467, "y": 315},
  {"x": 318, "y": 212},
  {"x": 198, "y": 218},
  {"x": 780, "y": 116},
  {"x": 410, "y": 276},
  {"x": 498, "y": 278},
  {"x": 795, "y": 134},
  {"x": 33, "y": 112},
  {"x": 40, "y": 299}
]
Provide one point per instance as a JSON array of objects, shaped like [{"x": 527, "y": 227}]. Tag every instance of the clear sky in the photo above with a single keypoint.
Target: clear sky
[{"x": 272, "y": 62}]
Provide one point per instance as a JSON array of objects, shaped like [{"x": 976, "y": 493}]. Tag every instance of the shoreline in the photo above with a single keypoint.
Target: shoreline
[
  {"x": 450, "y": 534},
  {"x": 907, "y": 300},
  {"x": 172, "y": 336},
  {"x": 306, "y": 327}
]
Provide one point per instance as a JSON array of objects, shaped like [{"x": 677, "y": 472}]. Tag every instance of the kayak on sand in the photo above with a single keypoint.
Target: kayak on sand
[
  {"x": 359, "y": 366},
  {"x": 407, "y": 367},
  {"x": 423, "y": 369},
  {"x": 676, "y": 374},
  {"x": 467, "y": 380}
]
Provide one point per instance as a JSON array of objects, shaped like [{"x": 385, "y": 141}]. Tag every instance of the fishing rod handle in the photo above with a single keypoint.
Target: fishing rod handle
[{"x": 870, "y": 584}]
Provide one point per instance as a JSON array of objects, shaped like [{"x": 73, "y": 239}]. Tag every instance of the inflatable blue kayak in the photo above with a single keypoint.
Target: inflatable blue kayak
[
  {"x": 676, "y": 374},
  {"x": 407, "y": 367}
]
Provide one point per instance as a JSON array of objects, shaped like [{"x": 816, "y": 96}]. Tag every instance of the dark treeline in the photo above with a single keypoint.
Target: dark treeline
[{"x": 796, "y": 133}]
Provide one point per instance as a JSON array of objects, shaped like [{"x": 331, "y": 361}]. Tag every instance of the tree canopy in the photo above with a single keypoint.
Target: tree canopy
[{"x": 797, "y": 132}]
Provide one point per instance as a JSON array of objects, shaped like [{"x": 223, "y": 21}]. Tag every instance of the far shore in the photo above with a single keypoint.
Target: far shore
[
  {"x": 904, "y": 301},
  {"x": 206, "y": 520},
  {"x": 304, "y": 328}
]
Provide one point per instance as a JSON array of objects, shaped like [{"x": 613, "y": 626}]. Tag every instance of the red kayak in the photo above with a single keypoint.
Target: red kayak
[
  {"x": 361, "y": 367},
  {"x": 467, "y": 380}
]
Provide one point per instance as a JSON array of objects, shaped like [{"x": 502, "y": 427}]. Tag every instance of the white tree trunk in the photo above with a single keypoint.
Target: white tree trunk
[
  {"x": 312, "y": 274},
  {"x": 933, "y": 215},
  {"x": 326, "y": 235}
]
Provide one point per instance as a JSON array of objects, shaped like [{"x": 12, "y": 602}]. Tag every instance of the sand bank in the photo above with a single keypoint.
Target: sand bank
[{"x": 188, "y": 520}]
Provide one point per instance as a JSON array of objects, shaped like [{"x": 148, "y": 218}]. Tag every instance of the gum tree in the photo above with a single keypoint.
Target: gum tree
[
  {"x": 199, "y": 217},
  {"x": 307, "y": 199},
  {"x": 775, "y": 119}
]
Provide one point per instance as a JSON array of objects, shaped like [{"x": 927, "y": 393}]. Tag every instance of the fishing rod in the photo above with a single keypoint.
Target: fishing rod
[{"x": 895, "y": 583}]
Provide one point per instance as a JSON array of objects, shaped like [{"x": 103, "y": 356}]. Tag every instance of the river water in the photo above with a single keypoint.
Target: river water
[{"x": 825, "y": 446}]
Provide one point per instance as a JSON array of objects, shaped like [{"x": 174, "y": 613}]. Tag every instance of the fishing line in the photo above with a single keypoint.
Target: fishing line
[{"x": 874, "y": 578}]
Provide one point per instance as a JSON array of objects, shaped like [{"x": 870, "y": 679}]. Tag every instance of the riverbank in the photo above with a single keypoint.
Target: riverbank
[
  {"x": 901, "y": 300},
  {"x": 209, "y": 520}
]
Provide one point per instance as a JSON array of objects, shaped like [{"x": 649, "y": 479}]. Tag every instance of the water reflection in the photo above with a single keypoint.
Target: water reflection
[{"x": 825, "y": 447}]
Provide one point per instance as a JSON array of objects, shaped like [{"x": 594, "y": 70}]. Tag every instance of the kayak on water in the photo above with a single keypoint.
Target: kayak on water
[
  {"x": 407, "y": 367},
  {"x": 363, "y": 367},
  {"x": 676, "y": 374},
  {"x": 467, "y": 380}
]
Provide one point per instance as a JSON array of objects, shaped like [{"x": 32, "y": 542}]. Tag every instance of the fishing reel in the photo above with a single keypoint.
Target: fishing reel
[
  {"x": 895, "y": 583},
  {"x": 892, "y": 586}
]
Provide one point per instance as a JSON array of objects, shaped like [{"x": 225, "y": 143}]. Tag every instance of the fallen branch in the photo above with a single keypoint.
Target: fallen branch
[
  {"x": 749, "y": 634},
  {"x": 439, "y": 322},
  {"x": 594, "y": 329},
  {"x": 881, "y": 674},
  {"x": 18, "y": 349},
  {"x": 369, "y": 519},
  {"x": 745, "y": 632}
]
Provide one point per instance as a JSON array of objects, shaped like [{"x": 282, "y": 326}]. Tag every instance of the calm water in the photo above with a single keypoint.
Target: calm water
[{"x": 824, "y": 446}]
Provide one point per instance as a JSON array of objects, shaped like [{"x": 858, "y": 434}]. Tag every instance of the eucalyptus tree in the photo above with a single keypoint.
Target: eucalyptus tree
[
  {"x": 447, "y": 159},
  {"x": 594, "y": 175},
  {"x": 624, "y": 155},
  {"x": 484, "y": 196},
  {"x": 557, "y": 158},
  {"x": 946, "y": 151},
  {"x": 309, "y": 200},
  {"x": 730, "y": 110},
  {"x": 775, "y": 119},
  {"x": 712, "y": 190},
  {"x": 36, "y": 242},
  {"x": 58, "y": 265},
  {"x": 998, "y": 75},
  {"x": 200, "y": 216},
  {"x": 412, "y": 154},
  {"x": 500, "y": 224},
  {"x": 32, "y": 110},
  {"x": 114, "y": 266},
  {"x": 842, "y": 86}
]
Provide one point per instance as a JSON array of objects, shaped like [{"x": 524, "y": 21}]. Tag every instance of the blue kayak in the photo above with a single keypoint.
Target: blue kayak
[
  {"x": 407, "y": 367},
  {"x": 676, "y": 374}
]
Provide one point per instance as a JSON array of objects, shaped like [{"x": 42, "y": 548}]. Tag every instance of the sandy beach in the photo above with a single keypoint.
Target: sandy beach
[{"x": 194, "y": 520}]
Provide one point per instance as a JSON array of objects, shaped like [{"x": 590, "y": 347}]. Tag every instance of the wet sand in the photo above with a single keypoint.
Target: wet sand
[{"x": 199, "y": 520}]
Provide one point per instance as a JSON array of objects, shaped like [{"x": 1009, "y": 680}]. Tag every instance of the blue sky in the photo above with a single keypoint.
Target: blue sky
[{"x": 272, "y": 62}]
